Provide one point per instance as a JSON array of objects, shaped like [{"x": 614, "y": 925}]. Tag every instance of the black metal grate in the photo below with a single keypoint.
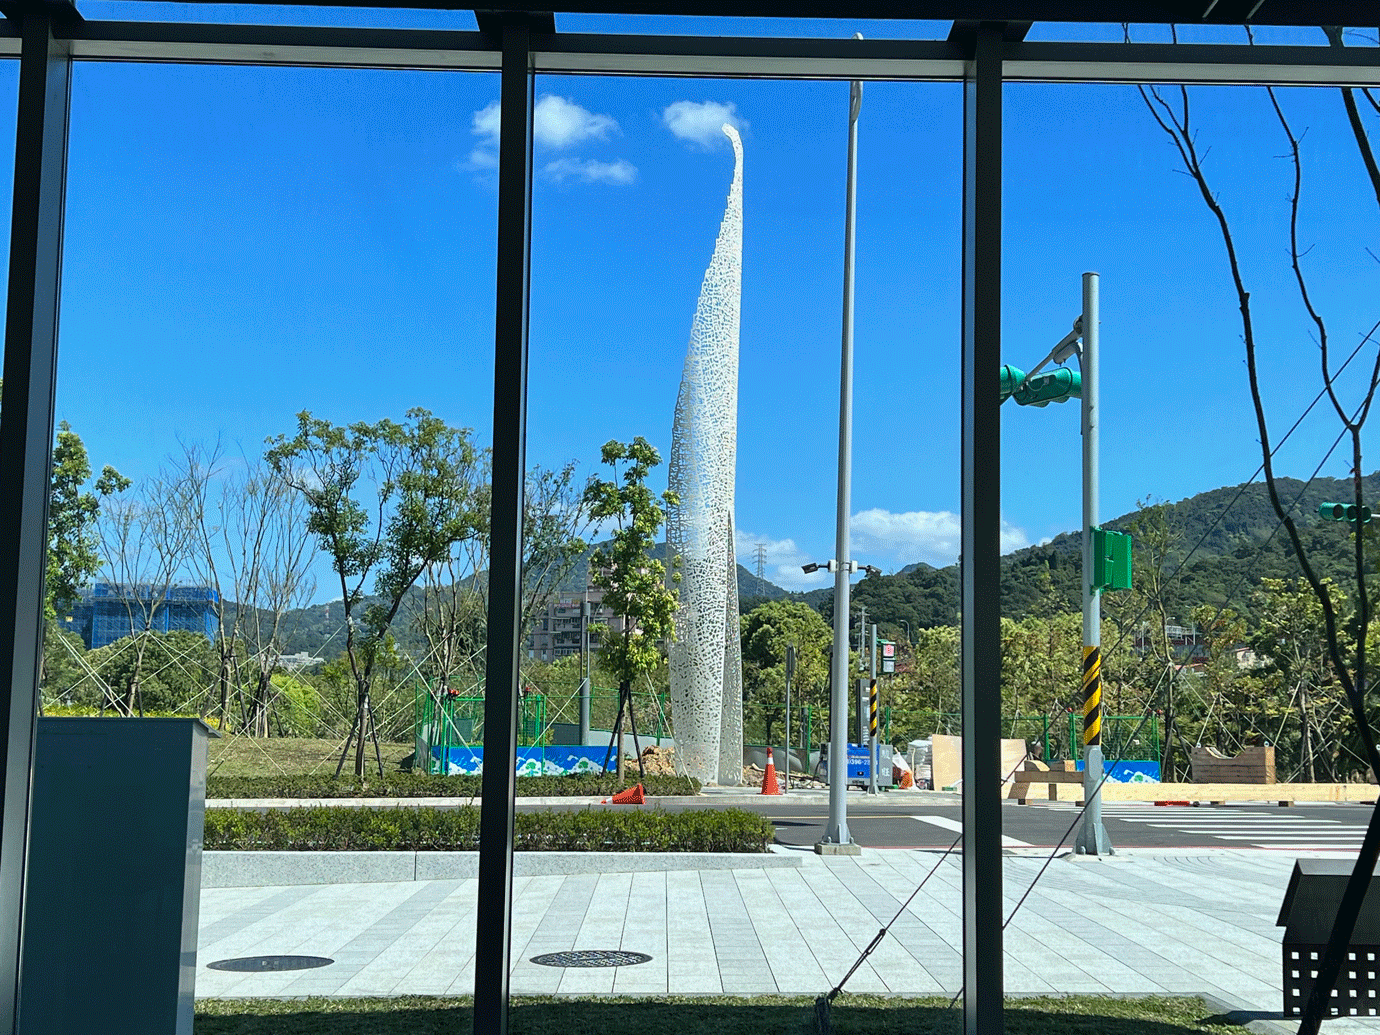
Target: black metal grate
[
  {"x": 591, "y": 958},
  {"x": 1358, "y": 985},
  {"x": 258, "y": 964}
]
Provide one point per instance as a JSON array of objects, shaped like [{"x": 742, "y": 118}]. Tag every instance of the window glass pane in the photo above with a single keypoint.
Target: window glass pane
[
  {"x": 1095, "y": 183},
  {"x": 246, "y": 246},
  {"x": 632, "y": 181}
]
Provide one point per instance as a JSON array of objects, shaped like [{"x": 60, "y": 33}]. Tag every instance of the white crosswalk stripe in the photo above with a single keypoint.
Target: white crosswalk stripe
[{"x": 1235, "y": 826}]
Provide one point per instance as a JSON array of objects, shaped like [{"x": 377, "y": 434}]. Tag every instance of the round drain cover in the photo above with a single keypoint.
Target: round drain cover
[
  {"x": 591, "y": 958},
  {"x": 255, "y": 964}
]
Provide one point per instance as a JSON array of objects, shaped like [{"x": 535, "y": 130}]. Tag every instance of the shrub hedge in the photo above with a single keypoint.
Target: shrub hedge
[
  {"x": 452, "y": 830},
  {"x": 422, "y": 785}
]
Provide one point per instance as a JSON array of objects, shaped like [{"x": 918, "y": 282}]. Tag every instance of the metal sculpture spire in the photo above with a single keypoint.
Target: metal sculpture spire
[{"x": 706, "y": 657}]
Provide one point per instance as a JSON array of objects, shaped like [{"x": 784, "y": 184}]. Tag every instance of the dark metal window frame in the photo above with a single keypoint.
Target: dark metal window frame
[{"x": 46, "y": 39}]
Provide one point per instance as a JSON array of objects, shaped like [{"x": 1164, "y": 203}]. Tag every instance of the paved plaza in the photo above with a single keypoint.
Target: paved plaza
[{"x": 1137, "y": 923}]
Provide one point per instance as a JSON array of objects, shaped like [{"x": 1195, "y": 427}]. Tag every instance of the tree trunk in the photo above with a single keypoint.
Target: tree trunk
[
  {"x": 258, "y": 708},
  {"x": 363, "y": 720},
  {"x": 1167, "y": 764},
  {"x": 224, "y": 688},
  {"x": 1306, "y": 737}
]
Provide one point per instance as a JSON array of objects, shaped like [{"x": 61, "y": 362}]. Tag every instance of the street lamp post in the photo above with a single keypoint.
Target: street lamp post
[{"x": 837, "y": 839}]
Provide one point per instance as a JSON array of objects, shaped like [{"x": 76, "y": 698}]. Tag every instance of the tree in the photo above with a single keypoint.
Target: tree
[
  {"x": 766, "y": 632},
  {"x": 1156, "y": 537},
  {"x": 634, "y": 584},
  {"x": 260, "y": 532},
  {"x": 145, "y": 538},
  {"x": 419, "y": 478},
  {"x": 73, "y": 511},
  {"x": 1291, "y": 643},
  {"x": 452, "y": 610}
]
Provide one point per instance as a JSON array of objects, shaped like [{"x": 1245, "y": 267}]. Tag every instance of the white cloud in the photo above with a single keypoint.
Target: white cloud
[
  {"x": 591, "y": 170},
  {"x": 702, "y": 122},
  {"x": 920, "y": 535},
  {"x": 879, "y": 537},
  {"x": 557, "y": 122},
  {"x": 485, "y": 122},
  {"x": 560, "y": 122},
  {"x": 782, "y": 559}
]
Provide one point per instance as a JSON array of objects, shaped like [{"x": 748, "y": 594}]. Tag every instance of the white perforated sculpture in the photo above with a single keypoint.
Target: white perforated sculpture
[{"x": 706, "y": 656}]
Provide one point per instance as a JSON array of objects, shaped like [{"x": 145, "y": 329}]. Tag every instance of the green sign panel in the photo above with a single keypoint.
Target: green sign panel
[{"x": 1111, "y": 559}]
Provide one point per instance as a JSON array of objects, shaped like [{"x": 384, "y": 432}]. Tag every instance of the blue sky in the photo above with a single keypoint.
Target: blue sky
[{"x": 244, "y": 243}]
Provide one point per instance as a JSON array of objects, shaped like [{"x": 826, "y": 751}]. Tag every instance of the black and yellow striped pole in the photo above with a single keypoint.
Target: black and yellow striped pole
[
  {"x": 872, "y": 718},
  {"x": 1092, "y": 696},
  {"x": 1092, "y": 835}
]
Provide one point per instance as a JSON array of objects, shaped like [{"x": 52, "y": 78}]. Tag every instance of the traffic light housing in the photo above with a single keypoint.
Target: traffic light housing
[
  {"x": 1344, "y": 512},
  {"x": 1042, "y": 389},
  {"x": 1011, "y": 378}
]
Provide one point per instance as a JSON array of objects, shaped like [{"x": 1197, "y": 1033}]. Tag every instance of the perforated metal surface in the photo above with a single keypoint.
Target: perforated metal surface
[
  {"x": 1358, "y": 985},
  {"x": 256, "y": 964},
  {"x": 591, "y": 958},
  {"x": 706, "y": 655}
]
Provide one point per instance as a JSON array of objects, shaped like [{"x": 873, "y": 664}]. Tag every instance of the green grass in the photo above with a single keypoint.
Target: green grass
[
  {"x": 234, "y": 755},
  {"x": 719, "y": 1015}
]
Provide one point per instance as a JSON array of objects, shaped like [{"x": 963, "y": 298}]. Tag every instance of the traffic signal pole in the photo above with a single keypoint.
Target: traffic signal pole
[{"x": 1092, "y": 835}]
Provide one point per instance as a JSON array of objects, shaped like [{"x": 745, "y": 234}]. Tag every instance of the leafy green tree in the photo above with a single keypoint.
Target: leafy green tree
[
  {"x": 1156, "y": 537},
  {"x": 1291, "y": 643},
  {"x": 424, "y": 496},
  {"x": 175, "y": 671},
  {"x": 73, "y": 545},
  {"x": 1041, "y": 671},
  {"x": 634, "y": 583},
  {"x": 767, "y": 630}
]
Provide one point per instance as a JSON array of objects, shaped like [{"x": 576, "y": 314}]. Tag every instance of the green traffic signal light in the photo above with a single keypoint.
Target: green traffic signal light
[
  {"x": 1011, "y": 378},
  {"x": 1344, "y": 512},
  {"x": 1043, "y": 389}
]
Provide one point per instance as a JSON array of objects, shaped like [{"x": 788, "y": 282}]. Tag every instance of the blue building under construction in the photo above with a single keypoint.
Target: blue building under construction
[{"x": 109, "y": 611}]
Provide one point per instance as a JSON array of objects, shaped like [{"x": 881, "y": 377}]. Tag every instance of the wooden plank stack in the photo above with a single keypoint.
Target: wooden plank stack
[{"x": 1254, "y": 765}]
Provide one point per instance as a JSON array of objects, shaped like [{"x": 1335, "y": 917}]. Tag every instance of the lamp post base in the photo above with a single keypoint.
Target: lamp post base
[
  {"x": 1092, "y": 835},
  {"x": 833, "y": 848}
]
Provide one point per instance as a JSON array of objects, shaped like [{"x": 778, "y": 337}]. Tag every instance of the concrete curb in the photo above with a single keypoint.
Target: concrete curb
[
  {"x": 1251, "y": 1020},
  {"x": 281, "y": 869}
]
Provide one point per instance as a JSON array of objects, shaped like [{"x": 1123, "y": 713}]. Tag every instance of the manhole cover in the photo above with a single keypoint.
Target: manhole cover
[
  {"x": 254, "y": 964},
  {"x": 591, "y": 958}
]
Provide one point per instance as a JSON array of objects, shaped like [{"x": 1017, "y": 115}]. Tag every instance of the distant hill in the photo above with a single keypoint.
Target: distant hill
[
  {"x": 1227, "y": 540},
  {"x": 320, "y": 628},
  {"x": 1232, "y": 533}
]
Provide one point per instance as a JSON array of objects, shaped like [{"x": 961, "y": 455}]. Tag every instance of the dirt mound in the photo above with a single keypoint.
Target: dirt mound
[{"x": 659, "y": 761}]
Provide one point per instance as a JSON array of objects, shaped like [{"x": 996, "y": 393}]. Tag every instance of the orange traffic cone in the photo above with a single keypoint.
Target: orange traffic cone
[
  {"x": 632, "y": 796},
  {"x": 769, "y": 784}
]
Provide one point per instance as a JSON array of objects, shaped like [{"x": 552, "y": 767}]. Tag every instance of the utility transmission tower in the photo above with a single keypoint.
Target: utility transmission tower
[{"x": 761, "y": 565}]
